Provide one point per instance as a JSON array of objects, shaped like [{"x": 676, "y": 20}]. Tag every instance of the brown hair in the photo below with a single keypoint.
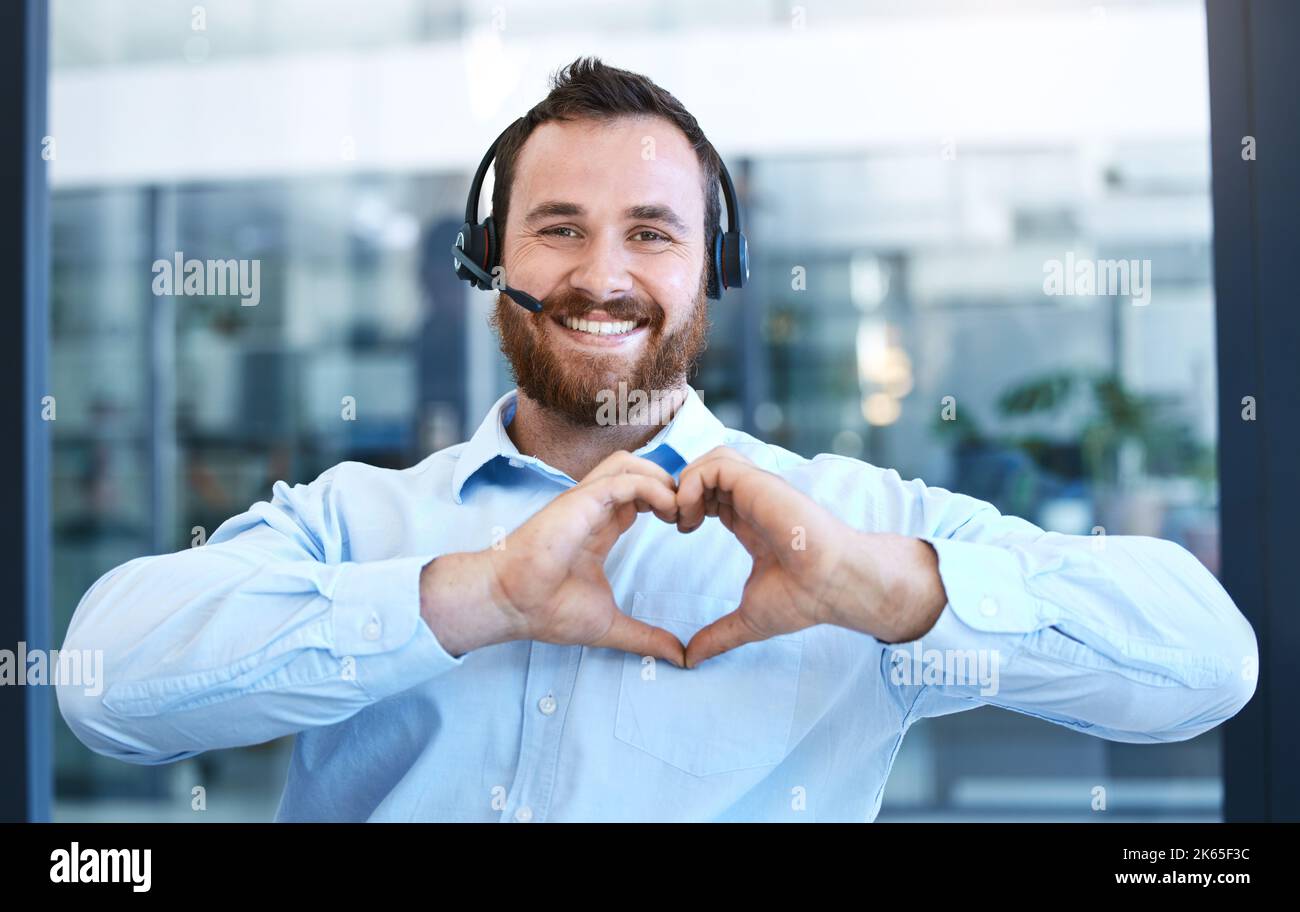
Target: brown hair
[{"x": 588, "y": 88}]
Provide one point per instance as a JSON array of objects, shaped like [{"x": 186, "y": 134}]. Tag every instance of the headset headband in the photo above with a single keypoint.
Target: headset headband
[
  {"x": 477, "y": 248},
  {"x": 476, "y": 187}
]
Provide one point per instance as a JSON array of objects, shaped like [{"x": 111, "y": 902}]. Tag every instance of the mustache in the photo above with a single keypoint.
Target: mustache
[{"x": 626, "y": 308}]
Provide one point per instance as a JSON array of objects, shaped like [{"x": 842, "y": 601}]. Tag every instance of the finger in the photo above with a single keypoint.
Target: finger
[
  {"x": 727, "y": 632},
  {"x": 626, "y": 515},
  {"x": 691, "y": 495},
  {"x": 622, "y": 461},
  {"x": 640, "y": 638},
  {"x": 727, "y": 515},
  {"x": 703, "y": 484},
  {"x": 637, "y": 490}
]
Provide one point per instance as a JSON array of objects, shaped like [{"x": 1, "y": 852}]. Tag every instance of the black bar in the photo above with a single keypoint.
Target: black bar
[
  {"x": 25, "y": 711},
  {"x": 229, "y": 862},
  {"x": 1254, "y": 69}
]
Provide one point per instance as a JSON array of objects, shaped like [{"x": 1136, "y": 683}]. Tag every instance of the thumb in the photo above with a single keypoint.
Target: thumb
[
  {"x": 727, "y": 632},
  {"x": 640, "y": 638}
]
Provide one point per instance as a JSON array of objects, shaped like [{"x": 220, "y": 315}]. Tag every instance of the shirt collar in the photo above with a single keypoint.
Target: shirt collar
[{"x": 692, "y": 432}]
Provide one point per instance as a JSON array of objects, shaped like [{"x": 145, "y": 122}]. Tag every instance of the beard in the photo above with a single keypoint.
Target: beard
[{"x": 569, "y": 383}]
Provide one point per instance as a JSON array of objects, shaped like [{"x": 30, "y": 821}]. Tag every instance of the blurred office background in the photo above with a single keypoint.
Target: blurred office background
[{"x": 908, "y": 168}]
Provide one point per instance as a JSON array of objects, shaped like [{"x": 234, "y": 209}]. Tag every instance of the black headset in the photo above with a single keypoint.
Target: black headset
[{"x": 477, "y": 251}]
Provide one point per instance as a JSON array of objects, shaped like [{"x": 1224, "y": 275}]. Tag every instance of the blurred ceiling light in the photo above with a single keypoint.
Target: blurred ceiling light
[
  {"x": 880, "y": 409},
  {"x": 893, "y": 371},
  {"x": 880, "y": 362},
  {"x": 868, "y": 282},
  {"x": 872, "y": 341}
]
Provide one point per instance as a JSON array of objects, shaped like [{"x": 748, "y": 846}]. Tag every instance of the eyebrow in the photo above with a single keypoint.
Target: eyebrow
[{"x": 649, "y": 212}]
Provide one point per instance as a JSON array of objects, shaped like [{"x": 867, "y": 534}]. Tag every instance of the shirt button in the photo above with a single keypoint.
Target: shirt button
[
  {"x": 546, "y": 704},
  {"x": 516, "y": 463},
  {"x": 372, "y": 630},
  {"x": 988, "y": 606},
  {"x": 524, "y": 813}
]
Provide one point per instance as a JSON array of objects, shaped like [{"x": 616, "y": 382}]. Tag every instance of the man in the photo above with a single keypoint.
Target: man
[{"x": 568, "y": 618}]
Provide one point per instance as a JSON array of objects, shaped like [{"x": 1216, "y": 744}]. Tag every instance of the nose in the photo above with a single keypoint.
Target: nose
[{"x": 602, "y": 272}]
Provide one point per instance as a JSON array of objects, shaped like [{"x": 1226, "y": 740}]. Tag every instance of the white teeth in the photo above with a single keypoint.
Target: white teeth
[{"x": 597, "y": 328}]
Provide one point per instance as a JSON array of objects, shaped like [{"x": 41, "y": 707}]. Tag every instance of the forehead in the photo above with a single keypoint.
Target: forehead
[{"x": 608, "y": 165}]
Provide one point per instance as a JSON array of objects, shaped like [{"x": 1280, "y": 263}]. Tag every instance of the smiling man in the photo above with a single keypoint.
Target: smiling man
[{"x": 565, "y": 618}]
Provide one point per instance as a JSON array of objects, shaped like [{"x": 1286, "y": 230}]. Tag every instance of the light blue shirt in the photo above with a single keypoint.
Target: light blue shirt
[{"x": 302, "y": 616}]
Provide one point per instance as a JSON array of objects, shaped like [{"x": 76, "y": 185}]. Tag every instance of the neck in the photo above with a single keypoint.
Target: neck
[{"x": 577, "y": 449}]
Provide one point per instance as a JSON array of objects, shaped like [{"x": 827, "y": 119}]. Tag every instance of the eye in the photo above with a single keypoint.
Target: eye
[
  {"x": 555, "y": 232},
  {"x": 656, "y": 236}
]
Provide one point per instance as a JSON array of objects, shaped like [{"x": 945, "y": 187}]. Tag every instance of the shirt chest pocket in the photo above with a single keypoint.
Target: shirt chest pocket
[{"x": 732, "y": 712}]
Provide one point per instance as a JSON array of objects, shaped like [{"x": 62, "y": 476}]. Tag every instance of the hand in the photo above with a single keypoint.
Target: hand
[
  {"x": 549, "y": 576},
  {"x": 810, "y": 567}
]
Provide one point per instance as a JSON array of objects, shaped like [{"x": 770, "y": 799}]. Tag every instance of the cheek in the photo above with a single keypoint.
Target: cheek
[{"x": 675, "y": 290}]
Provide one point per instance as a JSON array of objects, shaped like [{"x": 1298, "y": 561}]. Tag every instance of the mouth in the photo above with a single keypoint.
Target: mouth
[{"x": 599, "y": 329}]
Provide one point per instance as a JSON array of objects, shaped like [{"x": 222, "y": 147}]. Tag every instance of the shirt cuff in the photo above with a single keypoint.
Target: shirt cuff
[
  {"x": 986, "y": 589},
  {"x": 376, "y": 608},
  {"x": 420, "y": 659},
  {"x": 985, "y": 622}
]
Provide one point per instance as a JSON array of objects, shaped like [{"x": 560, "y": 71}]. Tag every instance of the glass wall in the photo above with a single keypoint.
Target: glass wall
[
  {"x": 906, "y": 322},
  {"x": 901, "y": 310},
  {"x": 177, "y": 412}
]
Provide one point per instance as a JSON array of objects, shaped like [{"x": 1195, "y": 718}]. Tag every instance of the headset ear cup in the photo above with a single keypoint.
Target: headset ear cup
[
  {"x": 492, "y": 256},
  {"x": 713, "y": 289},
  {"x": 735, "y": 259},
  {"x": 470, "y": 239}
]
